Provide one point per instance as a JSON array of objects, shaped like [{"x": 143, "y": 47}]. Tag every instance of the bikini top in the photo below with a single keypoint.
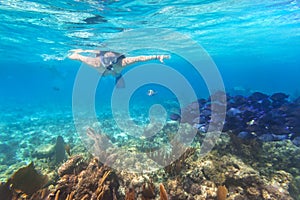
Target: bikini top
[{"x": 108, "y": 61}]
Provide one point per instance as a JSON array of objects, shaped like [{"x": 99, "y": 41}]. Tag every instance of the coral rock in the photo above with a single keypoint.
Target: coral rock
[{"x": 69, "y": 166}]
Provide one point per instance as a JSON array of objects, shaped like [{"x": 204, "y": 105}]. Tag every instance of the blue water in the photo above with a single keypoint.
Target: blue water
[{"x": 255, "y": 45}]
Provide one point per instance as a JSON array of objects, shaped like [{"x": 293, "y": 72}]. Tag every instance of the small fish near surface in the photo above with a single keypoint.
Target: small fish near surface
[
  {"x": 55, "y": 88},
  {"x": 151, "y": 92}
]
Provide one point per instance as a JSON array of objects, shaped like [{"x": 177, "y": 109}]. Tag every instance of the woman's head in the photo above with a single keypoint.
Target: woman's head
[{"x": 109, "y": 58}]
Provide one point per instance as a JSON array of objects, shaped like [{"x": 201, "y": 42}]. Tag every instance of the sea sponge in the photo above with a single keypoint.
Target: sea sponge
[
  {"x": 27, "y": 180},
  {"x": 222, "y": 192},
  {"x": 60, "y": 152}
]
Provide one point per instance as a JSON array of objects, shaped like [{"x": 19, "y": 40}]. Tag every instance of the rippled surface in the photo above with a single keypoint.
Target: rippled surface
[{"x": 46, "y": 30}]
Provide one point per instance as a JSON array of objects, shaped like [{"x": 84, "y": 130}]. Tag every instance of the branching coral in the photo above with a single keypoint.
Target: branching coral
[
  {"x": 148, "y": 190},
  {"x": 178, "y": 164},
  {"x": 91, "y": 183},
  {"x": 162, "y": 192},
  {"x": 130, "y": 194},
  {"x": 101, "y": 187}
]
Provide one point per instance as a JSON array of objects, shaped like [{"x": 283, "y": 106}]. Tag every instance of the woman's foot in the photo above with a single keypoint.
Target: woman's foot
[{"x": 73, "y": 56}]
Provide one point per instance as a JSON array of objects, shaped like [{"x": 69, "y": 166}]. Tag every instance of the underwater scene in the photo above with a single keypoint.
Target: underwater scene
[{"x": 154, "y": 99}]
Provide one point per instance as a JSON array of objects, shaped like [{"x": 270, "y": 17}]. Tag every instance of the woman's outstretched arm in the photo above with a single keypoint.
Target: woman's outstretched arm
[{"x": 131, "y": 60}]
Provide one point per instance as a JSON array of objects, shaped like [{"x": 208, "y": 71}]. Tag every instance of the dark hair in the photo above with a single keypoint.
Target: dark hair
[{"x": 102, "y": 53}]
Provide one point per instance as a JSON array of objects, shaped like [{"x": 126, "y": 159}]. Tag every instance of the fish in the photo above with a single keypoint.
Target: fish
[
  {"x": 246, "y": 135},
  {"x": 55, "y": 88},
  {"x": 68, "y": 149},
  {"x": 175, "y": 117},
  {"x": 151, "y": 92},
  {"x": 257, "y": 96},
  {"x": 233, "y": 112},
  {"x": 296, "y": 141},
  {"x": 279, "y": 97},
  {"x": 268, "y": 137},
  {"x": 97, "y": 19}
]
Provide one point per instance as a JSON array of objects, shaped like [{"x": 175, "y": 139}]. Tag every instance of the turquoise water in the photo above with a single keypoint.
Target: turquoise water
[{"x": 254, "y": 44}]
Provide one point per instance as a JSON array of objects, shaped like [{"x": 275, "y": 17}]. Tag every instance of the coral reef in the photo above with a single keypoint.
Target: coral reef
[
  {"x": 94, "y": 181},
  {"x": 241, "y": 165},
  {"x": 80, "y": 179}
]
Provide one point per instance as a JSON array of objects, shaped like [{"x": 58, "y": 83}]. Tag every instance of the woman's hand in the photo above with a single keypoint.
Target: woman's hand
[{"x": 162, "y": 57}]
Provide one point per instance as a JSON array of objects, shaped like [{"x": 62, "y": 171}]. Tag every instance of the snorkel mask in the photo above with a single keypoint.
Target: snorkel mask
[{"x": 109, "y": 58}]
